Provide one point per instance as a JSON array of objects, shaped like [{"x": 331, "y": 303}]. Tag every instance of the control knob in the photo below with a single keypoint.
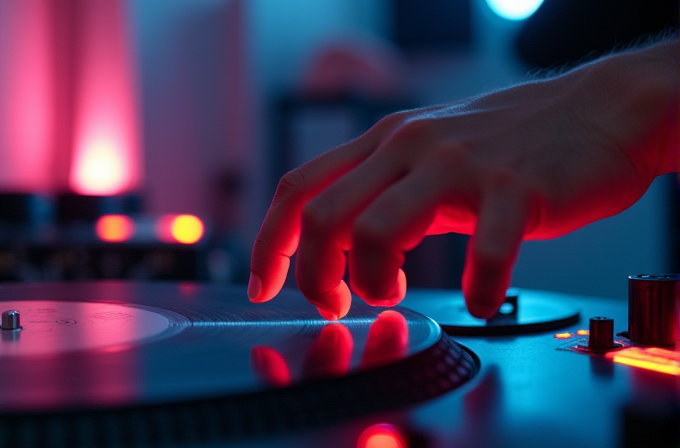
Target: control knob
[{"x": 653, "y": 309}]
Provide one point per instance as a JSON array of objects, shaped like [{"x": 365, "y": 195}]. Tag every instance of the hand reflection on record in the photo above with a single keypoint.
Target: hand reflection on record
[{"x": 331, "y": 353}]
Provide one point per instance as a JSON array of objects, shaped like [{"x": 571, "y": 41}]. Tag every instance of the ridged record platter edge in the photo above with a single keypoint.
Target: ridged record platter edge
[{"x": 208, "y": 360}]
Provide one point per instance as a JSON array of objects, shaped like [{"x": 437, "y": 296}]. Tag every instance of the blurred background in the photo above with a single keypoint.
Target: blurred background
[{"x": 143, "y": 139}]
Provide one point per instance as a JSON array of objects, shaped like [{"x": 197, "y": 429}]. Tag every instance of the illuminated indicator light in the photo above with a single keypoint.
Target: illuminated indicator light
[
  {"x": 104, "y": 124},
  {"x": 185, "y": 229},
  {"x": 514, "y": 9},
  {"x": 115, "y": 228},
  {"x": 563, "y": 335},
  {"x": 657, "y": 359},
  {"x": 583, "y": 332},
  {"x": 99, "y": 170},
  {"x": 382, "y": 435}
]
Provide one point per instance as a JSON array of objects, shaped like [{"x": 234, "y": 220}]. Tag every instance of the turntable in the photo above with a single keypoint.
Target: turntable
[{"x": 119, "y": 364}]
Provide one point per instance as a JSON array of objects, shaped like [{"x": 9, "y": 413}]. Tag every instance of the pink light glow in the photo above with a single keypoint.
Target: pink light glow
[
  {"x": 105, "y": 154},
  {"x": 25, "y": 92}
]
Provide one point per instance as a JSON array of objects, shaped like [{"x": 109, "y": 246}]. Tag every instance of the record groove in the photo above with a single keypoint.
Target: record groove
[{"x": 224, "y": 369}]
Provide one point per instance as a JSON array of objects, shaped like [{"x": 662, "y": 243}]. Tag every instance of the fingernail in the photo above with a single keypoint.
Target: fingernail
[
  {"x": 328, "y": 315},
  {"x": 254, "y": 287}
]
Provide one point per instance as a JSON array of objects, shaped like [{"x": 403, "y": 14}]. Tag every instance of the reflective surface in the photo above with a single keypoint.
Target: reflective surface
[
  {"x": 52, "y": 328},
  {"x": 529, "y": 392},
  {"x": 102, "y": 345},
  {"x": 331, "y": 353}
]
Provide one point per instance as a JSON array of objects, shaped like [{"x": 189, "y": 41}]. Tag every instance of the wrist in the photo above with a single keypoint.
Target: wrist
[{"x": 635, "y": 95}]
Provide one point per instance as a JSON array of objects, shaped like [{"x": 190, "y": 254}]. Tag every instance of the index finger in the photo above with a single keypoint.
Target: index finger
[{"x": 279, "y": 235}]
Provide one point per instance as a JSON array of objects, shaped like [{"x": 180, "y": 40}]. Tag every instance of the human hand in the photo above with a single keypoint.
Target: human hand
[{"x": 534, "y": 161}]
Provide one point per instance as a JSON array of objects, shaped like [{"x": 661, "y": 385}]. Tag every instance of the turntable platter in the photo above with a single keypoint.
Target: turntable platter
[
  {"x": 127, "y": 351},
  {"x": 52, "y": 328}
]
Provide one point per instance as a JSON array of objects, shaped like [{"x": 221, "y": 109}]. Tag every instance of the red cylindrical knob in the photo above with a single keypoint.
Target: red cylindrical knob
[
  {"x": 653, "y": 309},
  {"x": 601, "y": 333}
]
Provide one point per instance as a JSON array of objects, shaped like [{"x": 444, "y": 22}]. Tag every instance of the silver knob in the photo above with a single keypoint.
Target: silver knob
[{"x": 10, "y": 320}]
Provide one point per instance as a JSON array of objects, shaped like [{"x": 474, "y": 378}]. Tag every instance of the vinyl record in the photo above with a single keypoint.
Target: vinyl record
[{"x": 120, "y": 364}]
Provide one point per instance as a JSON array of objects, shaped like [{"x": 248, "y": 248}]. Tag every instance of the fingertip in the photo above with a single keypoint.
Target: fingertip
[
  {"x": 345, "y": 304},
  {"x": 254, "y": 288},
  {"x": 334, "y": 305},
  {"x": 328, "y": 315},
  {"x": 393, "y": 297},
  {"x": 266, "y": 282},
  {"x": 484, "y": 294},
  {"x": 401, "y": 285}
]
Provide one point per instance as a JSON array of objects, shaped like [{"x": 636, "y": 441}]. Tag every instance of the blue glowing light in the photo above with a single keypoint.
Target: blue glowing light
[{"x": 514, "y": 9}]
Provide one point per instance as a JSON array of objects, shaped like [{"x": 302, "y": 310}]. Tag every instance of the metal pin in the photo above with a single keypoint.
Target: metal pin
[{"x": 10, "y": 320}]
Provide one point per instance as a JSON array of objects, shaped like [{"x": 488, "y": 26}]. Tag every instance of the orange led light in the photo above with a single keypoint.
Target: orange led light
[
  {"x": 583, "y": 332},
  {"x": 185, "y": 229},
  {"x": 382, "y": 435},
  {"x": 115, "y": 228},
  {"x": 657, "y": 359},
  {"x": 563, "y": 335}
]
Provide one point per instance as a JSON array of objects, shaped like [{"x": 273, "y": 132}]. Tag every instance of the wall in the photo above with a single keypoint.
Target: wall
[
  {"x": 594, "y": 260},
  {"x": 191, "y": 81}
]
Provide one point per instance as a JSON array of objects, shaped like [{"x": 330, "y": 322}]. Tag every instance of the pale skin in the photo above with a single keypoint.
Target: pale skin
[{"x": 534, "y": 161}]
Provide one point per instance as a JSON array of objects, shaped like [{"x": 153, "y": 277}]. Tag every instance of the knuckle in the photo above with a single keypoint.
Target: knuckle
[
  {"x": 462, "y": 153},
  {"x": 261, "y": 244},
  {"x": 317, "y": 215},
  {"x": 370, "y": 231},
  {"x": 489, "y": 258},
  {"x": 451, "y": 164},
  {"x": 450, "y": 157},
  {"x": 416, "y": 130},
  {"x": 291, "y": 184},
  {"x": 391, "y": 121}
]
